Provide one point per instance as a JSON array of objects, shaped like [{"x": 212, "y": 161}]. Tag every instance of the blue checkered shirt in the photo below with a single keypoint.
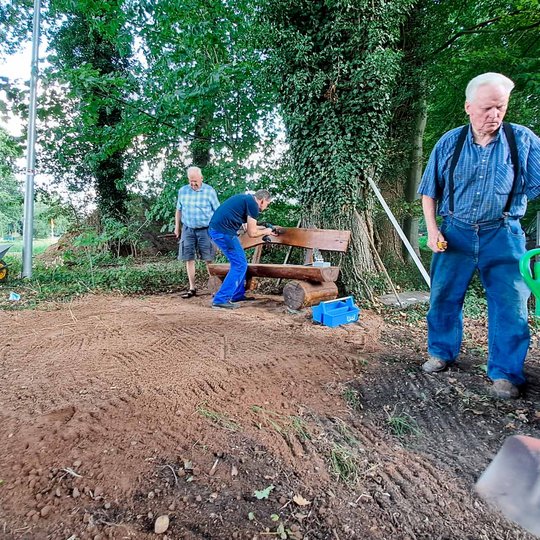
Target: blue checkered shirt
[
  {"x": 197, "y": 207},
  {"x": 483, "y": 176}
]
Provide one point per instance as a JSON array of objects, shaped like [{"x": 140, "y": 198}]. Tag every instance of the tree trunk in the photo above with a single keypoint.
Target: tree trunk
[
  {"x": 201, "y": 145},
  {"x": 109, "y": 172},
  {"x": 359, "y": 262},
  {"x": 414, "y": 174},
  {"x": 388, "y": 241}
]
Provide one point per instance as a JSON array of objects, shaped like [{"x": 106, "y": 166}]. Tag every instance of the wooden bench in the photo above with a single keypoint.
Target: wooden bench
[{"x": 310, "y": 284}]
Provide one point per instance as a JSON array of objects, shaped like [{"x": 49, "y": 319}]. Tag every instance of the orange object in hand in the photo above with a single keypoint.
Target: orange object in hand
[{"x": 442, "y": 244}]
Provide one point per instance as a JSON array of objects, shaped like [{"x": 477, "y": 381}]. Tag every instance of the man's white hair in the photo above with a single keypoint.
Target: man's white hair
[
  {"x": 493, "y": 79},
  {"x": 194, "y": 169}
]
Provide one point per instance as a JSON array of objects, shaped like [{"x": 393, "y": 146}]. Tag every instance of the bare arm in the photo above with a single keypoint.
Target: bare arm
[
  {"x": 254, "y": 231},
  {"x": 429, "y": 207},
  {"x": 177, "y": 223}
]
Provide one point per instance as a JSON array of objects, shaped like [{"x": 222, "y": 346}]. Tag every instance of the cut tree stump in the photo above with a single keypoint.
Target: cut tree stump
[{"x": 300, "y": 294}]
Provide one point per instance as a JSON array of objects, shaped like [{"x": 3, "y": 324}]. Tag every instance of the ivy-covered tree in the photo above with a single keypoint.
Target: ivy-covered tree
[{"x": 336, "y": 64}]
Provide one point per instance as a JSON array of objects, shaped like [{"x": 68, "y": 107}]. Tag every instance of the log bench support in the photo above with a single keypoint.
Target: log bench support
[
  {"x": 301, "y": 294},
  {"x": 310, "y": 284}
]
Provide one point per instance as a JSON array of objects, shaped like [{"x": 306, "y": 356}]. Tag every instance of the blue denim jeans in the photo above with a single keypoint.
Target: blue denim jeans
[
  {"x": 233, "y": 286},
  {"x": 494, "y": 249}
]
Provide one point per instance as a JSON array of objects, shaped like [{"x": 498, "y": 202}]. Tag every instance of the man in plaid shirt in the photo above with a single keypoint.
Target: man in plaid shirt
[{"x": 195, "y": 207}]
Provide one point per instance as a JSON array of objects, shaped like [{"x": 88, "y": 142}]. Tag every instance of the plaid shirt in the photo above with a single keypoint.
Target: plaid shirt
[
  {"x": 197, "y": 207},
  {"x": 483, "y": 176}
]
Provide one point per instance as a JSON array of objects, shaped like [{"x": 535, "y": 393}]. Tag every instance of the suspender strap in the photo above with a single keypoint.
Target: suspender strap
[
  {"x": 455, "y": 158},
  {"x": 511, "y": 138}
]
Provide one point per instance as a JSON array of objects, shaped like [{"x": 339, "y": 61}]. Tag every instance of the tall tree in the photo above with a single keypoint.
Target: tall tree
[
  {"x": 202, "y": 82},
  {"x": 336, "y": 63},
  {"x": 87, "y": 138}
]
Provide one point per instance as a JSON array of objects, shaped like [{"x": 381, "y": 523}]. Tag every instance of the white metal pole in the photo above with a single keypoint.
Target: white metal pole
[
  {"x": 28, "y": 229},
  {"x": 410, "y": 249}
]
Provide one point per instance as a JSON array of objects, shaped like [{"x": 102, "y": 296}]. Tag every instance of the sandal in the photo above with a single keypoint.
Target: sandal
[{"x": 190, "y": 293}]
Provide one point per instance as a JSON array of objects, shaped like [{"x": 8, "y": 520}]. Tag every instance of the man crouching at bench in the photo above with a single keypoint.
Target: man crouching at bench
[{"x": 235, "y": 212}]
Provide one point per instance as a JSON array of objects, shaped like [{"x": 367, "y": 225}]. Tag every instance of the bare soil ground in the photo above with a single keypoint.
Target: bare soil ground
[{"x": 251, "y": 424}]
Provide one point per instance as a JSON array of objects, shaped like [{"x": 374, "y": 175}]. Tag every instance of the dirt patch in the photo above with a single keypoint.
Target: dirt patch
[{"x": 249, "y": 424}]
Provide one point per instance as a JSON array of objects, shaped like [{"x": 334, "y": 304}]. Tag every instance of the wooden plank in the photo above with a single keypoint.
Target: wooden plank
[
  {"x": 325, "y": 239},
  {"x": 285, "y": 271}
]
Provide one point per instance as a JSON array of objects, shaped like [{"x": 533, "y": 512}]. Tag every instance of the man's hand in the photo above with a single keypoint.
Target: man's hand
[
  {"x": 436, "y": 242},
  {"x": 177, "y": 231}
]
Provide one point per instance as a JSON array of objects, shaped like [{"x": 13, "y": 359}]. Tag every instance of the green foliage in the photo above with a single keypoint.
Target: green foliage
[
  {"x": 263, "y": 493},
  {"x": 82, "y": 125},
  {"x": 475, "y": 304},
  {"x": 11, "y": 201},
  {"x": 463, "y": 39},
  {"x": 64, "y": 282},
  {"x": 15, "y": 24}
]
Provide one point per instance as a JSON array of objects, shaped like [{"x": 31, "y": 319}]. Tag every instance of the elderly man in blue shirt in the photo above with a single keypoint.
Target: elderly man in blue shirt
[
  {"x": 195, "y": 207},
  {"x": 479, "y": 180}
]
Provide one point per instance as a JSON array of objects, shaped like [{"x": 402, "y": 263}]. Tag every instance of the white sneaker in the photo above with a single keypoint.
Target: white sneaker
[{"x": 434, "y": 365}]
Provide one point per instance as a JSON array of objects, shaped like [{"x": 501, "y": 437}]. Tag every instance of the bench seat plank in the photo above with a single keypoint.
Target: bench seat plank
[
  {"x": 284, "y": 271},
  {"x": 325, "y": 239}
]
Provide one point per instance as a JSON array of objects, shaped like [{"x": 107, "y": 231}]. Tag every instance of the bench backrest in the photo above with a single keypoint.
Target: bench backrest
[{"x": 324, "y": 239}]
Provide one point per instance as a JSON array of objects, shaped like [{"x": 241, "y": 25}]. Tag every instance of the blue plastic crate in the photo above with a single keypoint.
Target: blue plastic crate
[{"x": 336, "y": 312}]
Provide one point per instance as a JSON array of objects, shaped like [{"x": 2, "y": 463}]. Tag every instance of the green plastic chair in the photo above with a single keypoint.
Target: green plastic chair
[{"x": 532, "y": 277}]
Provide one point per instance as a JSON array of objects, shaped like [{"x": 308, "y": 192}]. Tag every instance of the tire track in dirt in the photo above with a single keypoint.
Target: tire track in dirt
[{"x": 159, "y": 390}]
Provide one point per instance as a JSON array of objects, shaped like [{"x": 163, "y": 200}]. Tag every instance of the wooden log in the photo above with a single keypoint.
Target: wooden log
[
  {"x": 300, "y": 294},
  {"x": 251, "y": 282},
  {"x": 286, "y": 271}
]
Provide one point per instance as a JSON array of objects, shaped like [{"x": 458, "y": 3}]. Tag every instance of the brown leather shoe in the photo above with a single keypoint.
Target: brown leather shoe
[{"x": 504, "y": 389}]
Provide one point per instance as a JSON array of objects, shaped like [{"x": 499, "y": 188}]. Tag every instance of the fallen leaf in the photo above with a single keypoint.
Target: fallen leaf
[
  {"x": 251, "y": 516},
  {"x": 274, "y": 517},
  {"x": 161, "y": 524},
  {"x": 264, "y": 493},
  {"x": 300, "y": 501}
]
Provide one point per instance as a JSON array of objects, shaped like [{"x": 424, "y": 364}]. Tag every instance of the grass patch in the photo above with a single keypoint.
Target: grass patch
[
  {"x": 62, "y": 283},
  {"x": 217, "y": 418},
  {"x": 39, "y": 245},
  {"x": 345, "y": 432},
  {"x": 344, "y": 464},
  {"x": 285, "y": 425},
  {"x": 353, "y": 398},
  {"x": 402, "y": 425}
]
